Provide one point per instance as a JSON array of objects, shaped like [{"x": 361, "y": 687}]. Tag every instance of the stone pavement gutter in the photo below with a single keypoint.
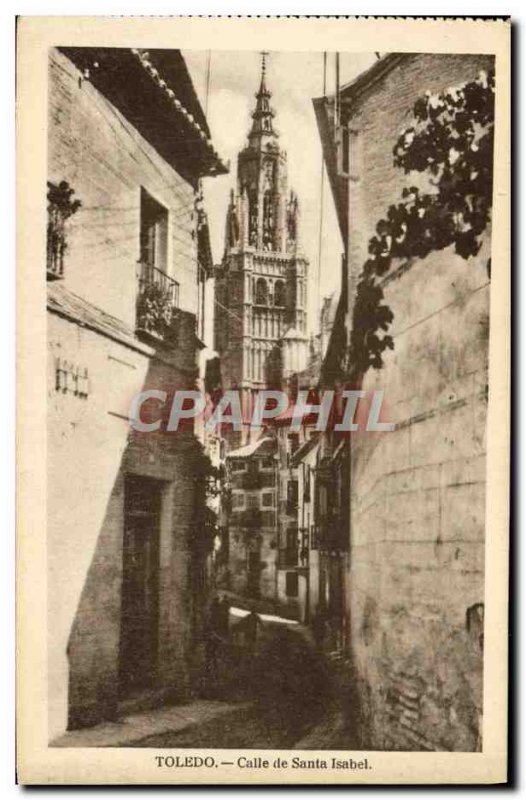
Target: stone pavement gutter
[{"x": 133, "y": 728}]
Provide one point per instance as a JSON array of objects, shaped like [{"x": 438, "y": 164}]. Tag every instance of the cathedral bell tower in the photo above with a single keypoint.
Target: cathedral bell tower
[{"x": 261, "y": 285}]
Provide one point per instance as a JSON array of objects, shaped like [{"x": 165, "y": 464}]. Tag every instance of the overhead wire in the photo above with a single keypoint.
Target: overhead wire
[{"x": 322, "y": 183}]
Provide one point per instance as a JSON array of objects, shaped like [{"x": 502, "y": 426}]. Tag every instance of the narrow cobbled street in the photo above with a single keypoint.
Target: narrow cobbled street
[
  {"x": 253, "y": 727},
  {"x": 288, "y": 692}
]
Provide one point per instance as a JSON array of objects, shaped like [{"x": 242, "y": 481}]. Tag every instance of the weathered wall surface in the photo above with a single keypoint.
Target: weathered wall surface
[
  {"x": 252, "y": 527},
  {"x": 89, "y": 454},
  {"x": 106, "y": 161},
  {"x": 90, "y": 450},
  {"x": 418, "y": 493},
  {"x": 240, "y": 543}
]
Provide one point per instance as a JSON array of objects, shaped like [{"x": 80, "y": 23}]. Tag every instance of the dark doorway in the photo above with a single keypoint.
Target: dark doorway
[
  {"x": 254, "y": 570},
  {"x": 140, "y": 585}
]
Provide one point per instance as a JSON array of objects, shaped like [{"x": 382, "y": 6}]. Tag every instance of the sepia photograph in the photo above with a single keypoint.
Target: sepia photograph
[{"x": 268, "y": 306}]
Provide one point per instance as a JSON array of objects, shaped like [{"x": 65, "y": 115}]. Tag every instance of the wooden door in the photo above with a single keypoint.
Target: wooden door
[{"x": 140, "y": 585}]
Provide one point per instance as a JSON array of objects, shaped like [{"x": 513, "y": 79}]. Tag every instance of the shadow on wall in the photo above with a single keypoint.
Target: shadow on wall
[
  {"x": 137, "y": 627},
  {"x": 93, "y": 646}
]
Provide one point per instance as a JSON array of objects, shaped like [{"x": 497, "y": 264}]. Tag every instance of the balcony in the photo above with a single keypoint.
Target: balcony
[
  {"x": 251, "y": 519},
  {"x": 157, "y": 299},
  {"x": 287, "y": 557}
]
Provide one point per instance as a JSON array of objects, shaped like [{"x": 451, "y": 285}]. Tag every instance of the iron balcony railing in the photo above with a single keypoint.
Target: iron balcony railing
[
  {"x": 257, "y": 480},
  {"x": 287, "y": 557},
  {"x": 157, "y": 298},
  {"x": 250, "y": 519}
]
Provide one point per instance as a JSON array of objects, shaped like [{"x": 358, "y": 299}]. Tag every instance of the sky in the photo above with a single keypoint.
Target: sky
[{"x": 293, "y": 79}]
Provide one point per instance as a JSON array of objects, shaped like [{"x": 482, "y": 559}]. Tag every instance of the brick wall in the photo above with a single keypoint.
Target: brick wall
[{"x": 418, "y": 493}]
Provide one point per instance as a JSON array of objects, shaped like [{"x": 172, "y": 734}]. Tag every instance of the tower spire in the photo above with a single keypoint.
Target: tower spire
[{"x": 263, "y": 114}]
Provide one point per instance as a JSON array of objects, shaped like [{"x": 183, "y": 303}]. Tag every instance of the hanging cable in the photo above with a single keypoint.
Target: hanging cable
[
  {"x": 228, "y": 311},
  {"x": 322, "y": 181},
  {"x": 337, "y": 93},
  {"x": 207, "y": 90}
]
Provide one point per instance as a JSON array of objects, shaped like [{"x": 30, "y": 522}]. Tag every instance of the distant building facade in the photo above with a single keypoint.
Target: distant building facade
[
  {"x": 280, "y": 531},
  {"x": 126, "y": 262},
  {"x": 252, "y": 540}
]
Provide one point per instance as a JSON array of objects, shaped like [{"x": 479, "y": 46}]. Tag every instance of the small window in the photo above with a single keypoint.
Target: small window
[
  {"x": 236, "y": 465},
  {"x": 238, "y": 500},
  {"x": 314, "y": 537},
  {"x": 292, "y": 496},
  {"x": 292, "y": 539},
  {"x": 306, "y": 483},
  {"x": 154, "y": 233},
  {"x": 266, "y": 463},
  {"x": 267, "y": 499},
  {"x": 291, "y": 587},
  {"x": 322, "y": 500},
  {"x": 253, "y": 501}
]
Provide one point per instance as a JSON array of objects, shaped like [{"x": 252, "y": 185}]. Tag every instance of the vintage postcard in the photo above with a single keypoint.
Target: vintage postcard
[{"x": 263, "y": 400}]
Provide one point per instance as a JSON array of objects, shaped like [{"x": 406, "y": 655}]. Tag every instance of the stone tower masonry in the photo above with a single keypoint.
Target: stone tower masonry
[{"x": 261, "y": 285}]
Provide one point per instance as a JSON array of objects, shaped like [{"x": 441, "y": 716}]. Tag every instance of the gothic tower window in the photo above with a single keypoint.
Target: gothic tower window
[
  {"x": 253, "y": 219},
  {"x": 279, "y": 294},
  {"x": 268, "y": 221},
  {"x": 261, "y": 292}
]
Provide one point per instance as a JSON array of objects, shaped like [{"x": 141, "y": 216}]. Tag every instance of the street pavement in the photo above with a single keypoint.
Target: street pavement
[{"x": 267, "y": 686}]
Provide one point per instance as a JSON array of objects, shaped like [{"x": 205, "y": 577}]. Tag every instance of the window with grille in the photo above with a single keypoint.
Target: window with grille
[{"x": 267, "y": 499}]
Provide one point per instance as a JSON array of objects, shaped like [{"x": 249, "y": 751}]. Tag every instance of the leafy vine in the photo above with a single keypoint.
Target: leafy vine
[{"x": 451, "y": 141}]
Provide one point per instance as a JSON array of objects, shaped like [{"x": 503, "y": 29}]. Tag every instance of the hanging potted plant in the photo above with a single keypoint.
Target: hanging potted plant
[{"x": 154, "y": 310}]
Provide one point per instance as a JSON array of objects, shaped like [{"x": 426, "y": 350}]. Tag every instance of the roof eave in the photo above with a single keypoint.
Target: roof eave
[
  {"x": 128, "y": 79},
  {"x": 366, "y": 80}
]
